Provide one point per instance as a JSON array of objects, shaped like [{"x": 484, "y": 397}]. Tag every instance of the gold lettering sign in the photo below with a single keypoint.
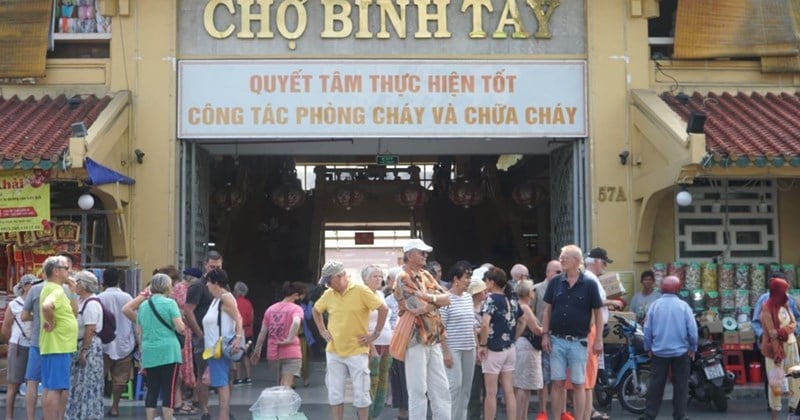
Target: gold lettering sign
[{"x": 253, "y": 19}]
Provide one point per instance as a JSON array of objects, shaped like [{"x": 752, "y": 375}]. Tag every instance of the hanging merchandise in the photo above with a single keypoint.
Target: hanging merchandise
[
  {"x": 726, "y": 274},
  {"x": 742, "y": 278},
  {"x": 758, "y": 278},
  {"x": 686, "y": 296},
  {"x": 709, "y": 279},
  {"x": 753, "y": 298},
  {"x": 693, "y": 276}
]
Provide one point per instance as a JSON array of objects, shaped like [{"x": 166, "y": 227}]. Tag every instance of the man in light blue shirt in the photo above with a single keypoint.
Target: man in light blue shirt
[{"x": 670, "y": 336}]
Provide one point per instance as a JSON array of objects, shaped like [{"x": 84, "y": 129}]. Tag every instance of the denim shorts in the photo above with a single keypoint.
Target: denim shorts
[
  {"x": 568, "y": 354},
  {"x": 33, "y": 369},
  {"x": 218, "y": 371}
]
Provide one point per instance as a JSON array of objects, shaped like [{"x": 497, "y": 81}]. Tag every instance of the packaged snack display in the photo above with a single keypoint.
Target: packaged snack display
[
  {"x": 713, "y": 300},
  {"x": 742, "y": 277},
  {"x": 709, "y": 279},
  {"x": 742, "y": 298},
  {"x": 692, "y": 276},
  {"x": 727, "y": 300},
  {"x": 789, "y": 272},
  {"x": 678, "y": 269},
  {"x": 698, "y": 300},
  {"x": 758, "y": 278},
  {"x": 726, "y": 274}
]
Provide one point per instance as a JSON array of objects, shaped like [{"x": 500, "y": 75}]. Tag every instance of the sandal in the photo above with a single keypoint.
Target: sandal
[
  {"x": 597, "y": 415},
  {"x": 112, "y": 414},
  {"x": 186, "y": 410}
]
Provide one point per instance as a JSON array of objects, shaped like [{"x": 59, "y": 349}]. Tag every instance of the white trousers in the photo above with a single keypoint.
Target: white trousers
[
  {"x": 460, "y": 377},
  {"x": 425, "y": 374}
]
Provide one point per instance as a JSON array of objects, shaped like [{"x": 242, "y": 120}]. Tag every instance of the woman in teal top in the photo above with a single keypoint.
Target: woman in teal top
[{"x": 161, "y": 353}]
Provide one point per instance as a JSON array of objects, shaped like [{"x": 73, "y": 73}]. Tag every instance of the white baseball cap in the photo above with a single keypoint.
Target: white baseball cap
[{"x": 417, "y": 244}]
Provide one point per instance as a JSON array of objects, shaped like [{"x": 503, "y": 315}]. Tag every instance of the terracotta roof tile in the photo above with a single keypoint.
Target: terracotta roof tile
[
  {"x": 753, "y": 126},
  {"x": 39, "y": 129}
]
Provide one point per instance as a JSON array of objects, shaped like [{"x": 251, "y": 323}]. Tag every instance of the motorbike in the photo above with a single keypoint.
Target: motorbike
[
  {"x": 626, "y": 372},
  {"x": 709, "y": 382}
]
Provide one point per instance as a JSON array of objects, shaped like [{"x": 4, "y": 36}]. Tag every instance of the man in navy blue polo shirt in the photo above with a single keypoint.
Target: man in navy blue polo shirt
[{"x": 570, "y": 302}]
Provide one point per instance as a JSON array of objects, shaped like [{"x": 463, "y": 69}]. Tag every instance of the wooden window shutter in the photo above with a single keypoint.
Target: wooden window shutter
[
  {"x": 24, "y": 37},
  {"x": 734, "y": 28}
]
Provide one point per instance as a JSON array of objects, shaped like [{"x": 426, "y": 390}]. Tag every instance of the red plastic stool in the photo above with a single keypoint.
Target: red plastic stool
[{"x": 734, "y": 362}]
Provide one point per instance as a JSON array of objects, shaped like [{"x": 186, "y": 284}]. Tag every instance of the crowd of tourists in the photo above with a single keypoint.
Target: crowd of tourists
[
  {"x": 412, "y": 337},
  {"x": 459, "y": 342}
]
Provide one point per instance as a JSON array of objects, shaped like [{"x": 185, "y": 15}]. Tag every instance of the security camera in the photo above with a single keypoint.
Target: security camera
[
  {"x": 139, "y": 155},
  {"x": 623, "y": 157}
]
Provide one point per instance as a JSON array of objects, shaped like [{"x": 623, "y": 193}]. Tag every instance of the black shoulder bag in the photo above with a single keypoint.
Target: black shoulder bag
[{"x": 181, "y": 338}]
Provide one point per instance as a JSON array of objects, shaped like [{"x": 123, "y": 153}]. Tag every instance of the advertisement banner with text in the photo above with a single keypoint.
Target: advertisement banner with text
[
  {"x": 280, "y": 99},
  {"x": 24, "y": 200}
]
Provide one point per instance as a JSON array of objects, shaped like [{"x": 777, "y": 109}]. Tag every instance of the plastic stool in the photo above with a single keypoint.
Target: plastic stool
[
  {"x": 140, "y": 387},
  {"x": 734, "y": 362},
  {"x": 128, "y": 392}
]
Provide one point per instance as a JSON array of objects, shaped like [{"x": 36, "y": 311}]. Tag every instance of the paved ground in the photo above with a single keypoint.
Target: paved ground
[{"x": 747, "y": 402}]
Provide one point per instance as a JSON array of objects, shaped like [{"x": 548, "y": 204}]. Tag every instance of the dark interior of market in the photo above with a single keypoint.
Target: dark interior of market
[{"x": 270, "y": 230}]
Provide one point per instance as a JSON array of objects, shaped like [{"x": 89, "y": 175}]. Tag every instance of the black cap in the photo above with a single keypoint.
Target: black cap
[{"x": 600, "y": 254}]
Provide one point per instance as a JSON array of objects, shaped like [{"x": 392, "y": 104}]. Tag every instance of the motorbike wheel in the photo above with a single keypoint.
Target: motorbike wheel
[
  {"x": 632, "y": 398},
  {"x": 720, "y": 400},
  {"x": 603, "y": 394}
]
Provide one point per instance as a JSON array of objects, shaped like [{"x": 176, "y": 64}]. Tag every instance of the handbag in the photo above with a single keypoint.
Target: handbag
[
  {"x": 401, "y": 335},
  {"x": 181, "y": 338}
]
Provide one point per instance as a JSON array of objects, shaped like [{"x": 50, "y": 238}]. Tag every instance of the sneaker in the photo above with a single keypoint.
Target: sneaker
[
  {"x": 247, "y": 381},
  {"x": 541, "y": 416},
  {"x": 238, "y": 381},
  {"x": 567, "y": 416}
]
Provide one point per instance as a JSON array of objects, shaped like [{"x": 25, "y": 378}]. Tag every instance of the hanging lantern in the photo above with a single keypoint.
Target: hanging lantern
[
  {"x": 288, "y": 196},
  {"x": 412, "y": 196},
  {"x": 528, "y": 194},
  {"x": 465, "y": 194},
  {"x": 229, "y": 197},
  {"x": 348, "y": 197}
]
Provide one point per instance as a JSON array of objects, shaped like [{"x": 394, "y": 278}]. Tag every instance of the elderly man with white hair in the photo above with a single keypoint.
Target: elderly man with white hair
[
  {"x": 419, "y": 293},
  {"x": 518, "y": 272}
]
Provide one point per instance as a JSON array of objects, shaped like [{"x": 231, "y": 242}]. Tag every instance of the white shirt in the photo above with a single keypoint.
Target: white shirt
[
  {"x": 590, "y": 275},
  {"x": 19, "y": 336},
  {"x": 89, "y": 313},
  {"x": 386, "y": 333},
  {"x": 114, "y": 299},
  {"x": 210, "y": 328}
]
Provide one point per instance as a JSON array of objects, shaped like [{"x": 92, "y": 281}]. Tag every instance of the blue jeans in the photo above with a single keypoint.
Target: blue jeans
[{"x": 568, "y": 354}]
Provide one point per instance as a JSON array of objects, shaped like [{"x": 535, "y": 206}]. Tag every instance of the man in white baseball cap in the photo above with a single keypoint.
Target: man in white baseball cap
[{"x": 418, "y": 292}]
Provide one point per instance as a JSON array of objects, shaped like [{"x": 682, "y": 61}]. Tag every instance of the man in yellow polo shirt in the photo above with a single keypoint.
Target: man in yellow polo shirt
[{"x": 348, "y": 305}]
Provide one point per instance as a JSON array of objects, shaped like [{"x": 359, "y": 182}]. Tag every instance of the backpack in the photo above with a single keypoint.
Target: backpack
[{"x": 109, "y": 331}]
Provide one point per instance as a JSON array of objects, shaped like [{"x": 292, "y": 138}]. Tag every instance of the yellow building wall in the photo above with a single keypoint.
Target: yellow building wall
[
  {"x": 788, "y": 222},
  {"x": 617, "y": 61},
  {"x": 142, "y": 61}
]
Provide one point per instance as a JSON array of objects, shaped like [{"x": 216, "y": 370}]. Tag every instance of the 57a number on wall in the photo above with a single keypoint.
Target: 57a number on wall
[{"x": 608, "y": 193}]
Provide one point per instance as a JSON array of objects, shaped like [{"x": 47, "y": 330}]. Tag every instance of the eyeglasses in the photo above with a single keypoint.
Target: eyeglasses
[
  {"x": 558, "y": 272},
  {"x": 63, "y": 267}
]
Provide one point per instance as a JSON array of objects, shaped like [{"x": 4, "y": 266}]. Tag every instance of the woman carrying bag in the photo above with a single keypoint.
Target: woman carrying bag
[
  {"x": 778, "y": 343},
  {"x": 223, "y": 330},
  {"x": 157, "y": 322}
]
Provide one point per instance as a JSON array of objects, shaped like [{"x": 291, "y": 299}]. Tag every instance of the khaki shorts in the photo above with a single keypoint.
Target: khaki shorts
[
  {"x": 120, "y": 371},
  {"x": 290, "y": 366},
  {"x": 17, "y": 361}
]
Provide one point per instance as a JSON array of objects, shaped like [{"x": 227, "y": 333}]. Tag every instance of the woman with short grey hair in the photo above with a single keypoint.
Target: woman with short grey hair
[{"x": 86, "y": 374}]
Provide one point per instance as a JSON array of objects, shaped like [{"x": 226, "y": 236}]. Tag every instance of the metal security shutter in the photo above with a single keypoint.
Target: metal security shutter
[
  {"x": 568, "y": 201},
  {"x": 193, "y": 218}
]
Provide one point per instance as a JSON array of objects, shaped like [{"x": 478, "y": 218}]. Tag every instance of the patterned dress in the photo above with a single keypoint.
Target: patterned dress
[
  {"x": 186, "y": 370},
  {"x": 86, "y": 394}
]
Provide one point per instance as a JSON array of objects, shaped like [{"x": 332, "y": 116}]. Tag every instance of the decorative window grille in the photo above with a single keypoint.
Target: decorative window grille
[{"x": 729, "y": 221}]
